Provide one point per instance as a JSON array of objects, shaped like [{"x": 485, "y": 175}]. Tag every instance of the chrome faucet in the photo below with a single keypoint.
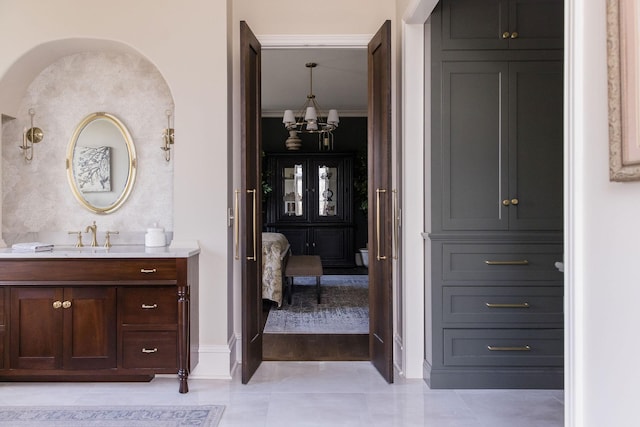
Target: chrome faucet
[{"x": 94, "y": 231}]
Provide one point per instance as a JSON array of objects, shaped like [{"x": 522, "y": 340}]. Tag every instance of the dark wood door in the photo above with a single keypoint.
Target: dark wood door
[
  {"x": 89, "y": 338},
  {"x": 380, "y": 203},
  {"x": 250, "y": 219},
  {"x": 36, "y": 328}
]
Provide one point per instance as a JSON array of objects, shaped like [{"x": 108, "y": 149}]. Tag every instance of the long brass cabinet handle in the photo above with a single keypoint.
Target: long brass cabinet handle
[
  {"x": 498, "y": 348},
  {"x": 396, "y": 225},
  {"x": 149, "y": 306},
  {"x": 378, "y": 256},
  {"x": 148, "y": 270},
  {"x": 149, "y": 350},
  {"x": 516, "y": 305},
  {"x": 515, "y": 262},
  {"x": 236, "y": 223},
  {"x": 255, "y": 226}
]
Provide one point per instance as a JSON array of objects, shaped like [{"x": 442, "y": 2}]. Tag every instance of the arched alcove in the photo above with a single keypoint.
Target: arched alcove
[{"x": 64, "y": 81}]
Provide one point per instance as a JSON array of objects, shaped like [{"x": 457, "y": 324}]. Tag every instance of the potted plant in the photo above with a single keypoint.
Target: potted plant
[{"x": 361, "y": 193}]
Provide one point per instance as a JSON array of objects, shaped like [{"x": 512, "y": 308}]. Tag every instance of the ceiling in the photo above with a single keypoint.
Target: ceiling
[{"x": 339, "y": 80}]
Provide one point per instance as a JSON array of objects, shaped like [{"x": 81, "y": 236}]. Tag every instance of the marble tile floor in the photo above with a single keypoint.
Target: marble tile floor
[{"x": 301, "y": 394}]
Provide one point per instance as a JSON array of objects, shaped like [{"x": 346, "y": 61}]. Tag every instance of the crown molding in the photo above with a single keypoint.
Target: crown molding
[{"x": 293, "y": 41}]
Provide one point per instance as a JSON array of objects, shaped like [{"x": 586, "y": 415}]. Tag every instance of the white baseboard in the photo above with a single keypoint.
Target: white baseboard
[
  {"x": 216, "y": 362},
  {"x": 398, "y": 354}
]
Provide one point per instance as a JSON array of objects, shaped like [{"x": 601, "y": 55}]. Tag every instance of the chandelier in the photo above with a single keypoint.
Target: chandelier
[{"x": 310, "y": 120}]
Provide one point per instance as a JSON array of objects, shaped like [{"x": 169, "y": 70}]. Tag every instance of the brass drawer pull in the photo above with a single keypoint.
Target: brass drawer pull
[
  {"x": 150, "y": 350},
  {"x": 57, "y": 304},
  {"x": 516, "y": 262},
  {"x": 148, "y": 270},
  {"x": 518, "y": 305},
  {"x": 496, "y": 348},
  {"x": 149, "y": 307}
]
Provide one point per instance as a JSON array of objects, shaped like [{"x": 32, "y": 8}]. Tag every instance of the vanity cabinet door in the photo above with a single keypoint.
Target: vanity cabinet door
[
  {"x": 36, "y": 328},
  {"x": 63, "y": 328},
  {"x": 90, "y": 328},
  {"x": 3, "y": 327}
]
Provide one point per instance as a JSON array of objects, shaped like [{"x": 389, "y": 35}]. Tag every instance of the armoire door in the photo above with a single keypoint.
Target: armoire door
[{"x": 250, "y": 202}]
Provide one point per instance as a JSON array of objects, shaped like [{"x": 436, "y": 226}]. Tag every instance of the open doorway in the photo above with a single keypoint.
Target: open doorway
[{"x": 315, "y": 202}]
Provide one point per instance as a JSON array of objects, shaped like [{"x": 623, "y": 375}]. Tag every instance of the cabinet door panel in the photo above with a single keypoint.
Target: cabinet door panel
[
  {"x": 36, "y": 328},
  {"x": 90, "y": 328},
  {"x": 297, "y": 238},
  {"x": 535, "y": 145},
  {"x": 334, "y": 245},
  {"x": 291, "y": 201},
  {"x": 474, "y": 133},
  {"x": 539, "y": 24},
  {"x": 3, "y": 327},
  {"x": 474, "y": 24}
]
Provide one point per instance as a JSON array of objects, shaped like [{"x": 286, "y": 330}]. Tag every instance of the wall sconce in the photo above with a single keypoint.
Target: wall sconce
[
  {"x": 167, "y": 138},
  {"x": 31, "y": 136}
]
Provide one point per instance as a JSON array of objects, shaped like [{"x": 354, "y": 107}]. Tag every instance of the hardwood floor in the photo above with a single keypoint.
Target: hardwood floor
[{"x": 321, "y": 347}]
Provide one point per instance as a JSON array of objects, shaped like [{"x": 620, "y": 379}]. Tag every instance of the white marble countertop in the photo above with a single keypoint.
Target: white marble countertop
[{"x": 124, "y": 251}]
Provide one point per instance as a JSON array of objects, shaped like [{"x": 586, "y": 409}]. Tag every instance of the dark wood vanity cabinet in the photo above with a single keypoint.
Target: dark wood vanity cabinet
[
  {"x": 98, "y": 319},
  {"x": 62, "y": 328},
  {"x": 312, "y": 205}
]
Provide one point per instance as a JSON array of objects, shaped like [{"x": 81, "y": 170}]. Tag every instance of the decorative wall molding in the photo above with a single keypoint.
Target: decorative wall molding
[
  {"x": 335, "y": 41},
  {"x": 214, "y": 362}
]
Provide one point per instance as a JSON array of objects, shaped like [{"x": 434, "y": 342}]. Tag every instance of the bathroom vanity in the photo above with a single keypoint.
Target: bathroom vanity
[{"x": 95, "y": 314}]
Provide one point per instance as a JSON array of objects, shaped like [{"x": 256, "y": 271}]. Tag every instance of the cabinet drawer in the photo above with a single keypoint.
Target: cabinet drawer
[
  {"x": 89, "y": 269},
  {"x": 503, "y": 304},
  {"x": 149, "y": 350},
  {"x": 500, "y": 261},
  {"x": 148, "y": 269},
  {"x": 148, "y": 305},
  {"x": 503, "y": 347}
]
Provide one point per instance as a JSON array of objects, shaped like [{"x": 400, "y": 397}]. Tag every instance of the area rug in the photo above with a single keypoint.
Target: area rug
[
  {"x": 344, "y": 307},
  {"x": 111, "y": 416}
]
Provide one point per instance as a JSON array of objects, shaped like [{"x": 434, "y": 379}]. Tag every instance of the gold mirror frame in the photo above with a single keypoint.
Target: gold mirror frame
[{"x": 132, "y": 163}]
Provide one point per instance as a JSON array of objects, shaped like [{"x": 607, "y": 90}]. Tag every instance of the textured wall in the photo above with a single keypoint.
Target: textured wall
[{"x": 37, "y": 196}]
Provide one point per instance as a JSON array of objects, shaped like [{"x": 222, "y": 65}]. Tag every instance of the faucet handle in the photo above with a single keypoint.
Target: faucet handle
[
  {"x": 79, "y": 243},
  {"x": 107, "y": 238}
]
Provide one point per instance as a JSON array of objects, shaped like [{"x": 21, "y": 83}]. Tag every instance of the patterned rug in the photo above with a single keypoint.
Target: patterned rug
[
  {"x": 111, "y": 416},
  {"x": 344, "y": 307}
]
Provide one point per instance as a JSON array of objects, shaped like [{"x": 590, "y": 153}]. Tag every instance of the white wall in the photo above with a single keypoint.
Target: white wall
[
  {"x": 187, "y": 42},
  {"x": 602, "y": 275}
]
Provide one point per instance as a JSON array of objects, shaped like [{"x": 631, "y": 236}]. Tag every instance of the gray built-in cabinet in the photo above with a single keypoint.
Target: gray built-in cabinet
[{"x": 497, "y": 220}]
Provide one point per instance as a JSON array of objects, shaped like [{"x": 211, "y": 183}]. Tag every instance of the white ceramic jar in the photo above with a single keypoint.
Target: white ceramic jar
[{"x": 155, "y": 237}]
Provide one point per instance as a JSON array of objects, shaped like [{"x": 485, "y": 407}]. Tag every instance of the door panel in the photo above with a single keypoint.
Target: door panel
[
  {"x": 536, "y": 144},
  {"x": 90, "y": 328},
  {"x": 36, "y": 328},
  {"x": 474, "y": 155},
  {"x": 250, "y": 220},
  {"x": 380, "y": 203}
]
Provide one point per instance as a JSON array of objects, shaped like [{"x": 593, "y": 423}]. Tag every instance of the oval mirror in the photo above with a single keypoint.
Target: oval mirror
[{"x": 101, "y": 163}]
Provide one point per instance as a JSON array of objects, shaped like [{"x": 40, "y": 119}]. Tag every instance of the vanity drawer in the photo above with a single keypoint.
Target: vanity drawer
[
  {"x": 147, "y": 269},
  {"x": 503, "y": 304},
  {"x": 109, "y": 270},
  {"x": 148, "y": 305},
  {"x": 503, "y": 347},
  {"x": 500, "y": 261},
  {"x": 149, "y": 349}
]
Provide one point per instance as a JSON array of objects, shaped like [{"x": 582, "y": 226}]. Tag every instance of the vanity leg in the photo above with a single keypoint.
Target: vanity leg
[{"x": 183, "y": 338}]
